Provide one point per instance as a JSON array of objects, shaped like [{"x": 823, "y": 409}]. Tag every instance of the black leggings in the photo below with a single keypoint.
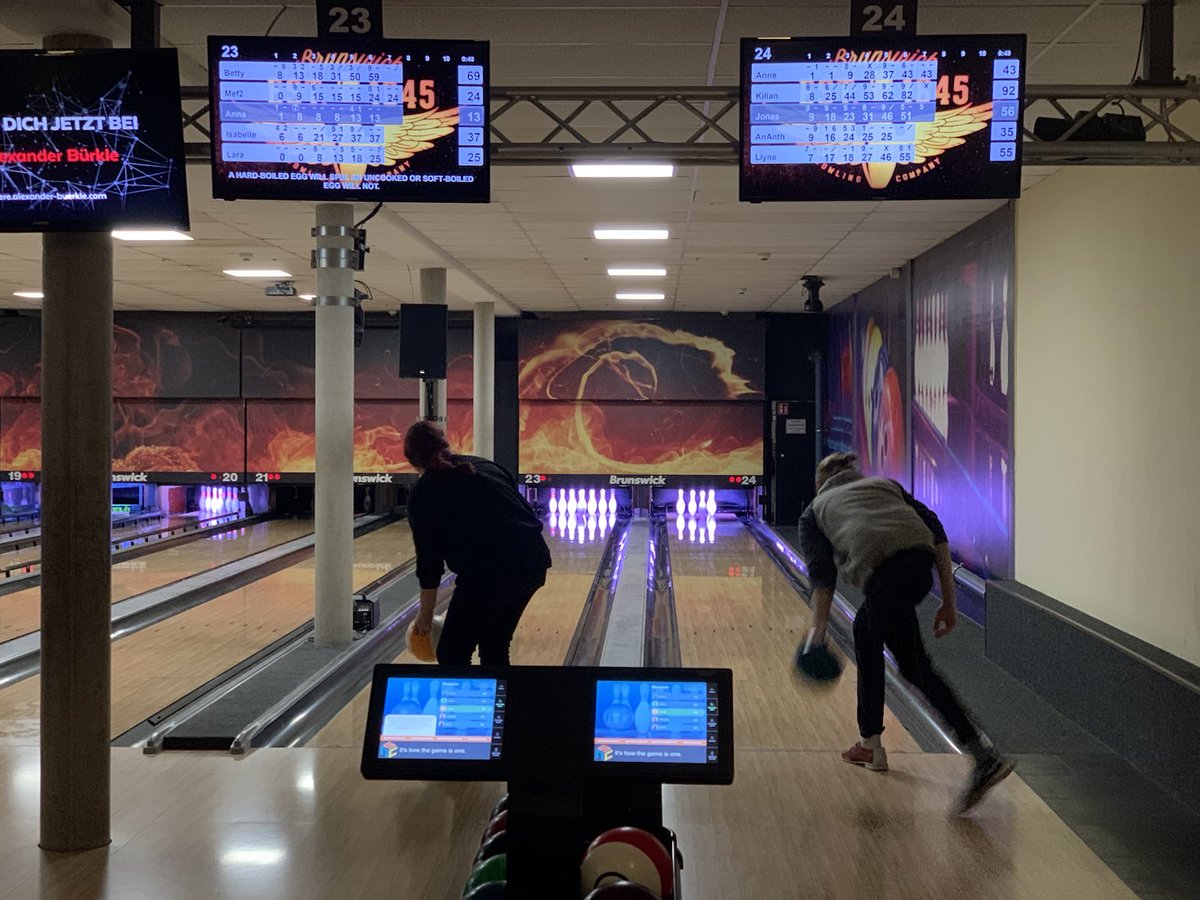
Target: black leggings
[
  {"x": 888, "y": 618},
  {"x": 485, "y": 615}
]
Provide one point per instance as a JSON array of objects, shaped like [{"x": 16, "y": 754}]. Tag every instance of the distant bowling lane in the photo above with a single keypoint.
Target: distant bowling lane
[
  {"x": 542, "y": 638},
  {"x": 28, "y": 554},
  {"x": 737, "y": 610},
  {"x": 157, "y": 665},
  {"x": 20, "y": 612}
]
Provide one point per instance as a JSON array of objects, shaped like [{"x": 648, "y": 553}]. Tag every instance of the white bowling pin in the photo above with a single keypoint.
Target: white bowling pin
[
  {"x": 702, "y": 534},
  {"x": 712, "y": 529},
  {"x": 603, "y": 523},
  {"x": 679, "y": 526},
  {"x": 692, "y": 507},
  {"x": 602, "y": 505},
  {"x": 612, "y": 521},
  {"x": 612, "y": 502},
  {"x": 571, "y": 504},
  {"x": 691, "y": 528},
  {"x": 570, "y": 528},
  {"x": 641, "y": 715},
  {"x": 591, "y": 528},
  {"x": 712, "y": 502},
  {"x": 553, "y": 504},
  {"x": 680, "y": 505},
  {"x": 591, "y": 503},
  {"x": 562, "y": 521}
]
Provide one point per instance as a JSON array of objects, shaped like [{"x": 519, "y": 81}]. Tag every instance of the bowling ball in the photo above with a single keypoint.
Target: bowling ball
[
  {"x": 648, "y": 844},
  {"x": 501, "y": 806},
  {"x": 495, "y": 826},
  {"x": 815, "y": 663},
  {"x": 493, "y": 890},
  {"x": 492, "y": 846},
  {"x": 618, "y": 717},
  {"x": 618, "y": 861},
  {"x": 622, "y": 890},
  {"x": 493, "y": 869},
  {"x": 424, "y": 646}
]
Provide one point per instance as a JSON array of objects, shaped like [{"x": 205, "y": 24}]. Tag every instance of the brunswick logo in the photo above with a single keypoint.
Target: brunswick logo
[
  {"x": 628, "y": 481},
  {"x": 949, "y": 129}
]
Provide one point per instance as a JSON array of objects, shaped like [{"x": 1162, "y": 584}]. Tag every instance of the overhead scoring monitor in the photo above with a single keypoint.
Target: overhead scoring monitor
[
  {"x": 871, "y": 118},
  {"x": 335, "y": 119}
]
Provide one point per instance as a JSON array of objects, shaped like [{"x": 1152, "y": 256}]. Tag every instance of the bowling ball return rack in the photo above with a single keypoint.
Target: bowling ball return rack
[{"x": 569, "y": 778}]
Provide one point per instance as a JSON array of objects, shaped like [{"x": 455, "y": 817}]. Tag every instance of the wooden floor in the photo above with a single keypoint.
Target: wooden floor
[
  {"x": 20, "y": 612},
  {"x": 304, "y": 824},
  {"x": 157, "y": 665},
  {"x": 32, "y": 554},
  {"x": 542, "y": 638},
  {"x": 737, "y": 610}
]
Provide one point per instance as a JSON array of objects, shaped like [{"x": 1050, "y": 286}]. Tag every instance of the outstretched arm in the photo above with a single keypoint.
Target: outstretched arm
[
  {"x": 947, "y": 614},
  {"x": 822, "y": 570}
]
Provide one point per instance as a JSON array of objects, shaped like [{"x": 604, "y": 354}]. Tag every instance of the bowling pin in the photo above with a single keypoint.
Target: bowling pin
[
  {"x": 692, "y": 507},
  {"x": 591, "y": 528},
  {"x": 571, "y": 504},
  {"x": 691, "y": 528},
  {"x": 702, "y": 535},
  {"x": 712, "y": 502},
  {"x": 570, "y": 528},
  {"x": 641, "y": 715},
  {"x": 612, "y": 521},
  {"x": 602, "y": 506},
  {"x": 712, "y": 529},
  {"x": 553, "y": 504},
  {"x": 679, "y": 526},
  {"x": 562, "y": 521},
  {"x": 591, "y": 504},
  {"x": 603, "y": 523},
  {"x": 612, "y": 502},
  {"x": 680, "y": 505}
]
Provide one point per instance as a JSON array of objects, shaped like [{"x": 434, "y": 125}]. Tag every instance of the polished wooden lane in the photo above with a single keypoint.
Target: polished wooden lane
[
  {"x": 20, "y": 612},
  {"x": 159, "y": 664},
  {"x": 737, "y": 610},
  {"x": 542, "y": 638},
  {"x": 303, "y": 824},
  {"x": 33, "y": 554}
]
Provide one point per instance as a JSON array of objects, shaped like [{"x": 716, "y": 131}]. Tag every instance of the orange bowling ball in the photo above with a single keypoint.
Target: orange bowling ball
[{"x": 424, "y": 646}]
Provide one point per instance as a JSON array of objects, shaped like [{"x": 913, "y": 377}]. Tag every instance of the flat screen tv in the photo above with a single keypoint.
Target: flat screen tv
[
  {"x": 875, "y": 118},
  {"x": 313, "y": 119},
  {"x": 91, "y": 140}
]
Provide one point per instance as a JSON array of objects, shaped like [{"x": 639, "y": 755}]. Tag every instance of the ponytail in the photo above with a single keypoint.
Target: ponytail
[{"x": 426, "y": 448}]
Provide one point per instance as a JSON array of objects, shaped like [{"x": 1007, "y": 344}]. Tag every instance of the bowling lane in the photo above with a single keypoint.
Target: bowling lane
[
  {"x": 157, "y": 665},
  {"x": 20, "y": 612},
  {"x": 737, "y": 610},
  {"x": 32, "y": 554},
  {"x": 542, "y": 638}
]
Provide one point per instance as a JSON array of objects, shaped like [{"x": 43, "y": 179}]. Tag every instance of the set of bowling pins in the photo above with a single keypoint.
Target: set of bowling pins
[
  {"x": 695, "y": 532},
  {"x": 218, "y": 501},
  {"x": 586, "y": 503},
  {"x": 707, "y": 504},
  {"x": 931, "y": 360},
  {"x": 580, "y": 529}
]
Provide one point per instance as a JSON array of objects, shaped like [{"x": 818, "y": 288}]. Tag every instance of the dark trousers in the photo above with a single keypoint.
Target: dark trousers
[
  {"x": 888, "y": 618},
  {"x": 484, "y": 614}
]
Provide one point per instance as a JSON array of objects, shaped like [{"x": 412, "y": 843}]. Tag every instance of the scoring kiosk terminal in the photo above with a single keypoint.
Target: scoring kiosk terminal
[{"x": 582, "y": 749}]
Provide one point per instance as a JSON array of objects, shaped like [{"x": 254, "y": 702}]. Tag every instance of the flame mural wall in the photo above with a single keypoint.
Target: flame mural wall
[
  {"x": 653, "y": 397},
  {"x": 194, "y": 395}
]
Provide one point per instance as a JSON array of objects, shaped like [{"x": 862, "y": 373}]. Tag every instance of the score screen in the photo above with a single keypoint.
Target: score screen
[
  {"x": 667, "y": 722},
  {"x": 881, "y": 118},
  {"x": 443, "y": 719}
]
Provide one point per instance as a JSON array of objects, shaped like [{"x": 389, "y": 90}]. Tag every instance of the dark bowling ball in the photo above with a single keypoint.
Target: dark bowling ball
[
  {"x": 622, "y": 890},
  {"x": 815, "y": 663},
  {"x": 493, "y": 890},
  {"x": 497, "y": 843},
  {"x": 501, "y": 806}
]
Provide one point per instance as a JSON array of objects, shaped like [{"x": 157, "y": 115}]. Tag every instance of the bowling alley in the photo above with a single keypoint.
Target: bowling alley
[{"x": 610, "y": 450}]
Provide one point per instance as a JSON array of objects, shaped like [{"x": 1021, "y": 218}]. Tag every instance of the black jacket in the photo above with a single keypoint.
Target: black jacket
[{"x": 478, "y": 525}]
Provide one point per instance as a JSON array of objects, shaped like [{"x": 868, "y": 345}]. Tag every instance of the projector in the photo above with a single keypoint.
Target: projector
[
  {"x": 281, "y": 289},
  {"x": 1110, "y": 127}
]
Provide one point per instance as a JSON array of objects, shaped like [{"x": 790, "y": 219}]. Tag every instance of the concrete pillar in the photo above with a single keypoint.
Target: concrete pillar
[
  {"x": 433, "y": 290},
  {"x": 76, "y": 691},
  {"x": 485, "y": 380},
  {"x": 334, "y": 498}
]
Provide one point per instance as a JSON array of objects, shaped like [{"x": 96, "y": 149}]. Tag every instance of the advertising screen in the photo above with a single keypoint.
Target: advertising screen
[
  {"x": 331, "y": 119},
  {"x": 872, "y": 118},
  {"x": 656, "y": 722},
  {"x": 91, "y": 140}
]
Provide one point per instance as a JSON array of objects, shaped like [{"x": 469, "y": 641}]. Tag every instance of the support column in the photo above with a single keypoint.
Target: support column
[
  {"x": 76, "y": 692},
  {"x": 334, "y": 500},
  {"x": 433, "y": 290},
  {"x": 485, "y": 380}
]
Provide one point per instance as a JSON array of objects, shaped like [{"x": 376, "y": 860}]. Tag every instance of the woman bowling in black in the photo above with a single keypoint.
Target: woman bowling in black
[{"x": 467, "y": 515}]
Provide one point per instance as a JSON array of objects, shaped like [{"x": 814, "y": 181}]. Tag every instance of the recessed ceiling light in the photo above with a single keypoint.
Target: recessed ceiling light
[
  {"x": 636, "y": 272},
  {"x": 151, "y": 235},
  {"x": 307, "y": 296},
  {"x": 29, "y": 295},
  {"x": 258, "y": 273},
  {"x": 640, "y": 295},
  {"x": 631, "y": 234},
  {"x": 623, "y": 170}
]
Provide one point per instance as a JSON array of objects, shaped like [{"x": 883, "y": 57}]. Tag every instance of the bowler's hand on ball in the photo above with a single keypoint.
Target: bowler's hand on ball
[
  {"x": 944, "y": 621},
  {"x": 424, "y": 621}
]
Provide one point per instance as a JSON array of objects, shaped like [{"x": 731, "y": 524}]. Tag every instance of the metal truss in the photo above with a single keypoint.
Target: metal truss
[{"x": 699, "y": 125}]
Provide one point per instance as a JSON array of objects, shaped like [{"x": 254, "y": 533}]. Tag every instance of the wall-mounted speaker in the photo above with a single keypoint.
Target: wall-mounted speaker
[{"x": 423, "y": 340}]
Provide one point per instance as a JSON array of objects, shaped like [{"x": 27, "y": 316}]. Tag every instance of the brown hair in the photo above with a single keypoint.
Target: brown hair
[
  {"x": 835, "y": 464},
  {"x": 426, "y": 448}
]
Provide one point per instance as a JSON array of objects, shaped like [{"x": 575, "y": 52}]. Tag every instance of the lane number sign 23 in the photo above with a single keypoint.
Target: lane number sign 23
[
  {"x": 350, "y": 18},
  {"x": 892, "y": 17}
]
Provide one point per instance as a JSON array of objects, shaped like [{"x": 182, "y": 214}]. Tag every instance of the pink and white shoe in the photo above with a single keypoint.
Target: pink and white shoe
[{"x": 858, "y": 755}]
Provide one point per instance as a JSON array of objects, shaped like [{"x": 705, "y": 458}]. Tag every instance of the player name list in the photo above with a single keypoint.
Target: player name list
[{"x": 328, "y": 113}]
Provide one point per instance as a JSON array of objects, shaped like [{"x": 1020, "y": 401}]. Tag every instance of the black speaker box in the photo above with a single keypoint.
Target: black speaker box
[{"x": 423, "y": 340}]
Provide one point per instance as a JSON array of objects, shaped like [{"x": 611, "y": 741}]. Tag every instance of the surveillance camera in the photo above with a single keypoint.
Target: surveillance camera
[{"x": 812, "y": 285}]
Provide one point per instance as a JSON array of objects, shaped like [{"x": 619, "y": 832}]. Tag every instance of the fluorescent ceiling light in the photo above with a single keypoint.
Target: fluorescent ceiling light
[
  {"x": 258, "y": 273},
  {"x": 636, "y": 272},
  {"x": 307, "y": 296},
  {"x": 640, "y": 295},
  {"x": 28, "y": 295},
  {"x": 631, "y": 234},
  {"x": 151, "y": 235},
  {"x": 623, "y": 170}
]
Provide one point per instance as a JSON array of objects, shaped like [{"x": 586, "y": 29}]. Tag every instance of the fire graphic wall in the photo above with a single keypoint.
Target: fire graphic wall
[
  {"x": 178, "y": 436},
  {"x": 962, "y": 360},
  {"x": 623, "y": 396}
]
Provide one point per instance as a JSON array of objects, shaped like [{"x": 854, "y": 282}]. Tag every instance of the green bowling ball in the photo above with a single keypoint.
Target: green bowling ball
[{"x": 494, "y": 868}]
